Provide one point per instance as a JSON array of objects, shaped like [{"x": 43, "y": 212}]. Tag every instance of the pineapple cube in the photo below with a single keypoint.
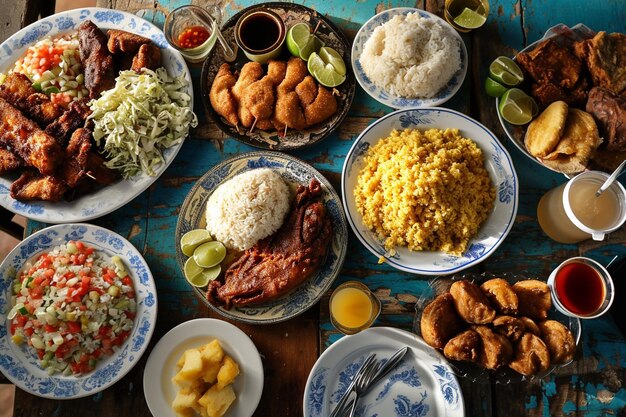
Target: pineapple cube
[{"x": 227, "y": 373}]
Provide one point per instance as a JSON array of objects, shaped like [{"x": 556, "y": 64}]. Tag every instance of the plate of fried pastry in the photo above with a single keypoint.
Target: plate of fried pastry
[
  {"x": 67, "y": 86},
  {"x": 496, "y": 328},
  {"x": 295, "y": 110},
  {"x": 577, "y": 78},
  {"x": 283, "y": 229}
]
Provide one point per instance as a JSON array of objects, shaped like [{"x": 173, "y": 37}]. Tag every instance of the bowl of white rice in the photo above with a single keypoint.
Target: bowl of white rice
[{"x": 409, "y": 58}]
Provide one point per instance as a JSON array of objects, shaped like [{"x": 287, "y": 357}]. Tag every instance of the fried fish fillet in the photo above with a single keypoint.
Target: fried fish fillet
[
  {"x": 221, "y": 95},
  {"x": 501, "y": 295},
  {"x": 97, "y": 60},
  {"x": 559, "y": 340},
  {"x": 440, "y": 321},
  {"x": 18, "y": 90},
  {"x": 250, "y": 72},
  {"x": 31, "y": 185},
  {"x": 551, "y": 63},
  {"x": 148, "y": 56},
  {"x": 465, "y": 346},
  {"x": 121, "y": 41},
  {"x": 534, "y": 298},
  {"x": 471, "y": 304},
  {"x": 531, "y": 355},
  {"x": 9, "y": 161},
  {"x": 497, "y": 350}
]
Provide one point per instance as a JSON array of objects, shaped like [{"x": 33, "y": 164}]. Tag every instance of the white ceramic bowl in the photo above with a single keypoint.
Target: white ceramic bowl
[{"x": 497, "y": 162}]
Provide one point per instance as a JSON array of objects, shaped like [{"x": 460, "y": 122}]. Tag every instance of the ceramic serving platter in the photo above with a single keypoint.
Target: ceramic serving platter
[
  {"x": 423, "y": 383},
  {"x": 386, "y": 97},
  {"x": 497, "y": 162},
  {"x": 114, "y": 196},
  {"x": 294, "y": 172},
  {"x": 20, "y": 363}
]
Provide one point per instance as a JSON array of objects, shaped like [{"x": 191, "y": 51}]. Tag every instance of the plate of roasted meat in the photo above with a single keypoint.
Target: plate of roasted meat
[
  {"x": 91, "y": 104},
  {"x": 496, "y": 328},
  {"x": 578, "y": 80},
  {"x": 277, "y": 104},
  {"x": 261, "y": 237}
]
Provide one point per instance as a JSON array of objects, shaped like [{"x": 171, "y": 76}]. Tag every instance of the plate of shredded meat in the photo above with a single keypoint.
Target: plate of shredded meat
[
  {"x": 70, "y": 83},
  {"x": 284, "y": 231}
]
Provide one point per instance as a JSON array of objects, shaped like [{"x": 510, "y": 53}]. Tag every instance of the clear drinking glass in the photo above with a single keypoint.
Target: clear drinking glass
[
  {"x": 187, "y": 18},
  {"x": 353, "y": 307}
]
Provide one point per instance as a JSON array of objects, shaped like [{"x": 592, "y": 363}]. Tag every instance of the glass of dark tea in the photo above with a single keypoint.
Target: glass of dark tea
[
  {"x": 192, "y": 30},
  {"x": 260, "y": 33},
  {"x": 582, "y": 288}
]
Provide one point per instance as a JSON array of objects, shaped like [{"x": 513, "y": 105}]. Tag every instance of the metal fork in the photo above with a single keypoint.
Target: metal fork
[
  {"x": 339, "y": 408},
  {"x": 363, "y": 383}
]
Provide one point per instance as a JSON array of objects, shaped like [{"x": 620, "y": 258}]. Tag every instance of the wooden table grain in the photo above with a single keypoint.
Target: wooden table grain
[{"x": 593, "y": 385}]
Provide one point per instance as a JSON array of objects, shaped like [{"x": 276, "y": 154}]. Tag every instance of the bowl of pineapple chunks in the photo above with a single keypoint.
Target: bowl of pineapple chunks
[{"x": 204, "y": 368}]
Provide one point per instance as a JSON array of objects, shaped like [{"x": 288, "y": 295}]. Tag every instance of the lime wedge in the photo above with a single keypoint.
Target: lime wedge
[
  {"x": 297, "y": 38},
  {"x": 192, "y": 239},
  {"x": 210, "y": 274},
  {"x": 469, "y": 19},
  {"x": 331, "y": 56},
  {"x": 193, "y": 273},
  {"x": 516, "y": 107},
  {"x": 324, "y": 73},
  {"x": 494, "y": 88},
  {"x": 209, "y": 254},
  {"x": 313, "y": 45},
  {"x": 506, "y": 71}
]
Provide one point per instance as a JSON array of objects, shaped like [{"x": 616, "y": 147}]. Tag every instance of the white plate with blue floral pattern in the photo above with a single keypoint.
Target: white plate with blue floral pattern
[
  {"x": 112, "y": 197},
  {"x": 161, "y": 367},
  {"x": 294, "y": 172},
  {"x": 497, "y": 162},
  {"x": 423, "y": 383},
  {"x": 387, "y": 98},
  {"x": 20, "y": 363}
]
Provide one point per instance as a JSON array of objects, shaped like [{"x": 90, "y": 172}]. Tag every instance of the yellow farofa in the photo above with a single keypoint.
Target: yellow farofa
[{"x": 425, "y": 191}]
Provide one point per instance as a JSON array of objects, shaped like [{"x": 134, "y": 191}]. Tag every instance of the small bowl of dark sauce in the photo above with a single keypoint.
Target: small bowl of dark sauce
[
  {"x": 260, "y": 33},
  {"x": 582, "y": 288}
]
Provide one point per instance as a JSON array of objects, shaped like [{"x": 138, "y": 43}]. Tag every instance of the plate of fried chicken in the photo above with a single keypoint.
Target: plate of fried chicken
[
  {"x": 51, "y": 168},
  {"x": 582, "y": 71},
  {"x": 287, "y": 272},
  {"x": 496, "y": 328},
  {"x": 277, "y": 105}
]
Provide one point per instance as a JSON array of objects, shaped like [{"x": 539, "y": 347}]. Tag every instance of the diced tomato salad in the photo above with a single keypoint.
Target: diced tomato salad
[{"x": 73, "y": 306}]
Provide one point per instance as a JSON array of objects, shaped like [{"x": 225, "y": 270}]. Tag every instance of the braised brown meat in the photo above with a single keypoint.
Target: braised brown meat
[
  {"x": 9, "y": 161},
  {"x": 283, "y": 261},
  {"x": 605, "y": 55},
  {"x": 149, "y": 56},
  {"x": 73, "y": 118},
  {"x": 17, "y": 89},
  {"x": 121, "y": 41},
  {"x": 96, "y": 58},
  {"x": 23, "y": 137},
  {"x": 31, "y": 185},
  {"x": 609, "y": 111}
]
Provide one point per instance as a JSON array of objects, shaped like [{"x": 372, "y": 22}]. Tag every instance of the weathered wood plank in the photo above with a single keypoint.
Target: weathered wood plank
[{"x": 18, "y": 13}]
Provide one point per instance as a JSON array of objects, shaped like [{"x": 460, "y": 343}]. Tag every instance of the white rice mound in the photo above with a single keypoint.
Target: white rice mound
[
  {"x": 411, "y": 56},
  {"x": 247, "y": 208}
]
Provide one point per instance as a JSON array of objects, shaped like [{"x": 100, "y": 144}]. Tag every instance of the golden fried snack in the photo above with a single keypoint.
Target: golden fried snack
[
  {"x": 531, "y": 355},
  {"x": 511, "y": 327},
  {"x": 497, "y": 350},
  {"x": 440, "y": 321},
  {"x": 465, "y": 346},
  {"x": 501, "y": 295},
  {"x": 559, "y": 340},
  {"x": 534, "y": 298},
  {"x": 471, "y": 303},
  {"x": 531, "y": 326},
  {"x": 544, "y": 133}
]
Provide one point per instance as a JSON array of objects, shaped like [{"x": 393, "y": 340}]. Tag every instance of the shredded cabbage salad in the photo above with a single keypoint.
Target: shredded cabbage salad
[{"x": 140, "y": 117}]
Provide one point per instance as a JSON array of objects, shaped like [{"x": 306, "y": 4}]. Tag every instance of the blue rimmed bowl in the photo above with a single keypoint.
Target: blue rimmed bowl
[{"x": 497, "y": 162}]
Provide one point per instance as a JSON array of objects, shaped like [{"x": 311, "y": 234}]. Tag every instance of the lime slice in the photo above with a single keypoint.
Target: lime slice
[
  {"x": 193, "y": 273},
  {"x": 332, "y": 57},
  {"x": 209, "y": 254},
  {"x": 506, "y": 71},
  {"x": 313, "y": 45},
  {"x": 324, "y": 73},
  {"x": 516, "y": 107},
  {"x": 469, "y": 19},
  {"x": 210, "y": 274},
  {"x": 494, "y": 88},
  {"x": 192, "y": 239},
  {"x": 300, "y": 41}
]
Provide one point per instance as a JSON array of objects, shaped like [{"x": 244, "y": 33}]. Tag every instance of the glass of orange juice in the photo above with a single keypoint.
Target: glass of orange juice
[{"x": 353, "y": 307}]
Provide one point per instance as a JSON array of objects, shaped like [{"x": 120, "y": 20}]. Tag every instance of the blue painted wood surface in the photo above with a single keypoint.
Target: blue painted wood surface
[{"x": 592, "y": 385}]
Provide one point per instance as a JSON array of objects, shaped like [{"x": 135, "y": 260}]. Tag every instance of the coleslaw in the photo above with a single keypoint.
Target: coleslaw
[{"x": 74, "y": 306}]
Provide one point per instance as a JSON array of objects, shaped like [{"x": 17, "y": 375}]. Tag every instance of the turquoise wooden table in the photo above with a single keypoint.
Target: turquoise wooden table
[{"x": 592, "y": 385}]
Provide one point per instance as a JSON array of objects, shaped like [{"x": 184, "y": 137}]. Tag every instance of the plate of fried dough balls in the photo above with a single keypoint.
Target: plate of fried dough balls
[{"x": 496, "y": 328}]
